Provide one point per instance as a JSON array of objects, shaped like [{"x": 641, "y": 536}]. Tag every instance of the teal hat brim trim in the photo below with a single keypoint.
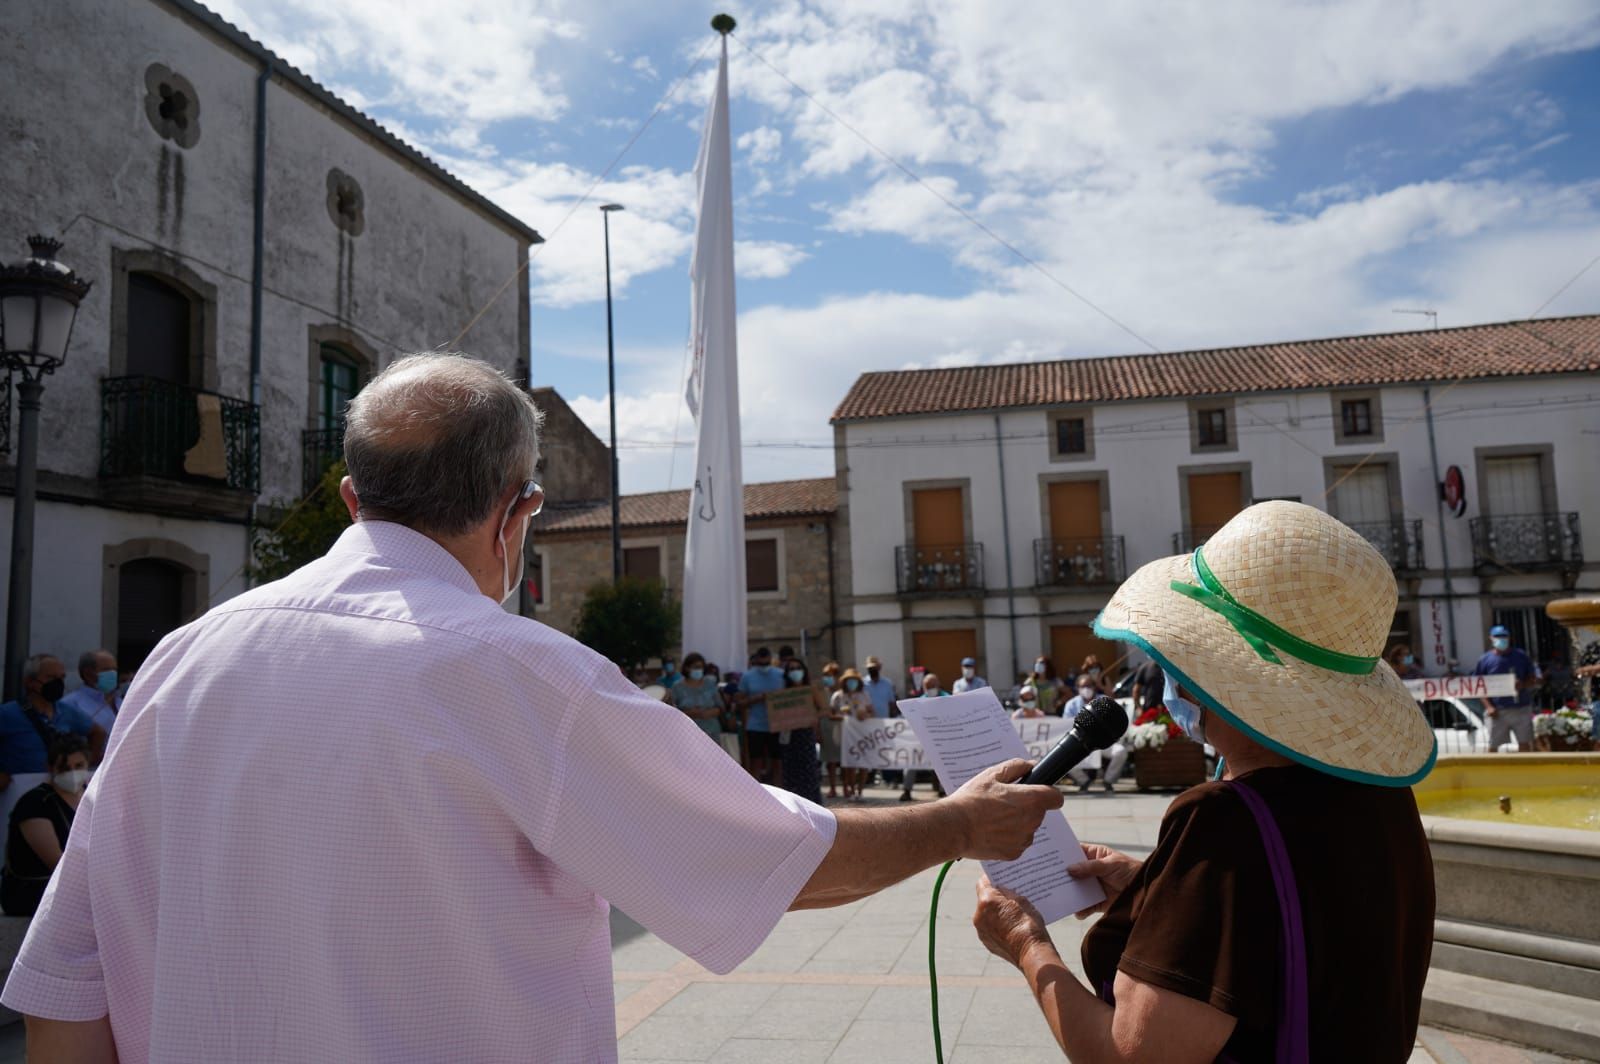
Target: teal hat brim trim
[{"x": 1296, "y": 756}]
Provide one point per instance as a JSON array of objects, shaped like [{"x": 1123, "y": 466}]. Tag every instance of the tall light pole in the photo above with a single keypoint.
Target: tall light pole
[
  {"x": 38, "y": 303},
  {"x": 611, "y": 388}
]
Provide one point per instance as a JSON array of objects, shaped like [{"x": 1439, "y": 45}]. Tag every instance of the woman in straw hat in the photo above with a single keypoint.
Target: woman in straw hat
[{"x": 1287, "y": 910}]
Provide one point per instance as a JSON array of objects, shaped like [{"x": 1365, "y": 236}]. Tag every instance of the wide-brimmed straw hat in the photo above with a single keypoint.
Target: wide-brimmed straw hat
[{"x": 1278, "y": 624}]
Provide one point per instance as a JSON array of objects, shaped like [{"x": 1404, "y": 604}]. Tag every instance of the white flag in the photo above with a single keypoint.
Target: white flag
[{"x": 714, "y": 620}]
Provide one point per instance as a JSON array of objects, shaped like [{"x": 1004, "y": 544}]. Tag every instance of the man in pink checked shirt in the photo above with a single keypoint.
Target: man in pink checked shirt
[{"x": 400, "y": 844}]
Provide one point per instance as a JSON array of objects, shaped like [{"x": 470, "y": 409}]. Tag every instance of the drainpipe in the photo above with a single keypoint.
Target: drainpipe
[
  {"x": 257, "y": 257},
  {"x": 1005, "y": 532},
  {"x": 1444, "y": 544}
]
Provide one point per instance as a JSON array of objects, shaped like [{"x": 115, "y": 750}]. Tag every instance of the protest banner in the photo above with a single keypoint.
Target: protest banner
[
  {"x": 1430, "y": 687},
  {"x": 791, "y": 708}
]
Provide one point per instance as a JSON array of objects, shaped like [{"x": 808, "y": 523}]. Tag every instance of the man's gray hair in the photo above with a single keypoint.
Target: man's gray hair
[
  {"x": 34, "y": 666},
  {"x": 436, "y": 439},
  {"x": 90, "y": 659}
]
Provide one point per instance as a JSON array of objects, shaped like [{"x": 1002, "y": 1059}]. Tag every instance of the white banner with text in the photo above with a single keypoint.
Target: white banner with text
[
  {"x": 1431, "y": 687},
  {"x": 889, "y": 743}
]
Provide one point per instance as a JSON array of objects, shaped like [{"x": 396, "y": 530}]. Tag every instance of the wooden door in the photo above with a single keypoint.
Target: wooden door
[
  {"x": 1362, "y": 497},
  {"x": 941, "y": 652},
  {"x": 1071, "y": 643},
  {"x": 936, "y": 518},
  {"x": 1075, "y": 510},
  {"x": 1213, "y": 500},
  {"x": 1512, "y": 485}
]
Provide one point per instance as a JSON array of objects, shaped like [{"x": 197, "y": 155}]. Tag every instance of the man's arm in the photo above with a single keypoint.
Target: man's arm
[
  {"x": 71, "y": 1042},
  {"x": 988, "y": 818}
]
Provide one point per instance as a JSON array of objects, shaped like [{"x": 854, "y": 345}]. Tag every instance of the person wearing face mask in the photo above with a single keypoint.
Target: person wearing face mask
[
  {"x": 831, "y": 728},
  {"x": 969, "y": 680},
  {"x": 39, "y": 824},
  {"x": 1287, "y": 910},
  {"x": 1403, "y": 662},
  {"x": 698, "y": 697},
  {"x": 761, "y": 741},
  {"x": 881, "y": 689},
  {"x": 930, "y": 689},
  {"x": 669, "y": 673},
  {"x": 30, "y": 724},
  {"x": 1052, "y": 692},
  {"x": 98, "y": 697},
  {"x": 1093, "y": 672},
  {"x": 1112, "y": 761},
  {"x": 850, "y": 700},
  {"x": 1027, "y": 703},
  {"x": 1512, "y": 715},
  {"x": 802, "y": 773}
]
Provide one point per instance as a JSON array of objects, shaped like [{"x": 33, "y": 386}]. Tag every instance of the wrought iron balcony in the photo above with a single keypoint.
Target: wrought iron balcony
[
  {"x": 156, "y": 436},
  {"x": 1519, "y": 542},
  {"x": 319, "y": 449},
  {"x": 948, "y": 569},
  {"x": 1400, "y": 542},
  {"x": 1187, "y": 540},
  {"x": 1078, "y": 562}
]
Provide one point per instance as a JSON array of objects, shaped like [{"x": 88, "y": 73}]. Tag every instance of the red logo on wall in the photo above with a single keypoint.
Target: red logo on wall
[{"x": 1455, "y": 490}]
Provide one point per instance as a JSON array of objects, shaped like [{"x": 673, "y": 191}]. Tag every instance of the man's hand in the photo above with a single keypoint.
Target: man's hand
[
  {"x": 1114, "y": 870},
  {"x": 1008, "y": 924},
  {"x": 1001, "y": 816}
]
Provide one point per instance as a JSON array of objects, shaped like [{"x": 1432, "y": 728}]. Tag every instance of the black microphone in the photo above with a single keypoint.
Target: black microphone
[{"x": 1098, "y": 725}]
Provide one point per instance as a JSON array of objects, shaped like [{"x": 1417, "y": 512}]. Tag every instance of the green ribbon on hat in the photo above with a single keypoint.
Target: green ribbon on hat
[{"x": 1262, "y": 634}]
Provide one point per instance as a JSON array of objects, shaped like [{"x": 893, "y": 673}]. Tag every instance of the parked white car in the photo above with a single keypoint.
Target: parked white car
[{"x": 1460, "y": 725}]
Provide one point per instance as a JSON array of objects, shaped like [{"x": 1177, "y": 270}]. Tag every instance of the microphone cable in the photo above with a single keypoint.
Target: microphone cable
[{"x": 933, "y": 970}]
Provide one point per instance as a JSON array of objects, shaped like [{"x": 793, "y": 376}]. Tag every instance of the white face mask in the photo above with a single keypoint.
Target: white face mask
[
  {"x": 509, "y": 587},
  {"x": 1086, "y": 693},
  {"x": 968, "y": 671},
  {"x": 1038, "y": 668},
  {"x": 72, "y": 782}
]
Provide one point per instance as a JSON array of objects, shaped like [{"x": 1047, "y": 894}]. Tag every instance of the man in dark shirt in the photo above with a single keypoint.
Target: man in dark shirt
[
  {"x": 1511, "y": 716},
  {"x": 1147, "y": 684}
]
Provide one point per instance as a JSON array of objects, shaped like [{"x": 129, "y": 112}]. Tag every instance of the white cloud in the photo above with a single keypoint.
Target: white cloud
[
  {"x": 766, "y": 259},
  {"x": 761, "y": 145}
]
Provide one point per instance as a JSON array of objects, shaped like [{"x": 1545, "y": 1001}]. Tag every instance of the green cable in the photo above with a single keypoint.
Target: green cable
[{"x": 933, "y": 973}]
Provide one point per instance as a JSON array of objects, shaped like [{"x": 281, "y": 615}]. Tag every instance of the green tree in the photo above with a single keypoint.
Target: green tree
[
  {"x": 306, "y": 533},
  {"x": 629, "y": 622}
]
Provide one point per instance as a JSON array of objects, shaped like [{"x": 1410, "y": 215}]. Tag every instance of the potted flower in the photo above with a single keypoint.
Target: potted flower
[
  {"x": 1162, "y": 755},
  {"x": 1564, "y": 731}
]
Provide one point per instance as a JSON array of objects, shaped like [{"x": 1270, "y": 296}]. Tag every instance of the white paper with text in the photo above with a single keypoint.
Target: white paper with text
[{"x": 965, "y": 734}]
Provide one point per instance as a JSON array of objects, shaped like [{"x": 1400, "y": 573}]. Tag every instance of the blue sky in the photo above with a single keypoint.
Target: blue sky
[{"x": 1209, "y": 174}]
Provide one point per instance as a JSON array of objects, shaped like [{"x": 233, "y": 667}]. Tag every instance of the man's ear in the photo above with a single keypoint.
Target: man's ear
[{"x": 347, "y": 492}]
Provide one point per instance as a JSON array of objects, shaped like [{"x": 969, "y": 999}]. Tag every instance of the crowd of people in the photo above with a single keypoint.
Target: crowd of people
[
  {"x": 50, "y": 741},
  {"x": 731, "y": 707}
]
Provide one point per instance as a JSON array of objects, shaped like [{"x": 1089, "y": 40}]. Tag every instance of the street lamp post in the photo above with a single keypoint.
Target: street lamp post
[
  {"x": 38, "y": 303},
  {"x": 611, "y": 388}
]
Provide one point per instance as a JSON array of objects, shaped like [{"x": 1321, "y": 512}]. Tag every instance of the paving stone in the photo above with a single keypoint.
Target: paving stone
[
  {"x": 772, "y": 1051},
  {"x": 677, "y": 1037},
  {"x": 734, "y": 1000}
]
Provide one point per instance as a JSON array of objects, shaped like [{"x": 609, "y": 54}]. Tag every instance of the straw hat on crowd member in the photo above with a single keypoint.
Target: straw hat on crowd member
[{"x": 1278, "y": 625}]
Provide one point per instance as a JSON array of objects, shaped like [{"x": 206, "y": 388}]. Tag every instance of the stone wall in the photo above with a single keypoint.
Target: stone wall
[
  {"x": 575, "y": 464},
  {"x": 573, "y": 562}
]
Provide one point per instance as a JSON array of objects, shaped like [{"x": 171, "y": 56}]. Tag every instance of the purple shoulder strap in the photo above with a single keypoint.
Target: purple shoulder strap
[{"x": 1294, "y": 1006}]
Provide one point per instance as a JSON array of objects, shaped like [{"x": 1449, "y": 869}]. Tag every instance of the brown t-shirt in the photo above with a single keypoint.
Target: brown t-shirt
[{"x": 1202, "y": 916}]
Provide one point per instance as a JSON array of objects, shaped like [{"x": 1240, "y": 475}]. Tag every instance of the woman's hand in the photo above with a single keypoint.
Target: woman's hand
[
  {"x": 1007, "y": 923},
  {"x": 1114, "y": 870}
]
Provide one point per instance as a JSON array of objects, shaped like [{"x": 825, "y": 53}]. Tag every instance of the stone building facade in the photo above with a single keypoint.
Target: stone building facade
[
  {"x": 793, "y": 560},
  {"x": 211, "y": 361}
]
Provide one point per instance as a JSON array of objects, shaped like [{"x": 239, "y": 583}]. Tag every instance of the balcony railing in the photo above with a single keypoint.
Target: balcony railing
[
  {"x": 1187, "y": 540},
  {"x": 951, "y": 568},
  {"x": 319, "y": 449},
  {"x": 1513, "y": 542},
  {"x": 155, "y": 428},
  {"x": 1400, "y": 542},
  {"x": 1078, "y": 562}
]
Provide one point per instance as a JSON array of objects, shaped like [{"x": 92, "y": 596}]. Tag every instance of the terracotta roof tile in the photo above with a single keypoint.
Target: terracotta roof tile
[
  {"x": 1504, "y": 349},
  {"x": 779, "y": 498}
]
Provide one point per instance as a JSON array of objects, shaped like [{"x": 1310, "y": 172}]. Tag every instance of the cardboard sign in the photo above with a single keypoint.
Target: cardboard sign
[
  {"x": 791, "y": 708},
  {"x": 1429, "y": 687}
]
